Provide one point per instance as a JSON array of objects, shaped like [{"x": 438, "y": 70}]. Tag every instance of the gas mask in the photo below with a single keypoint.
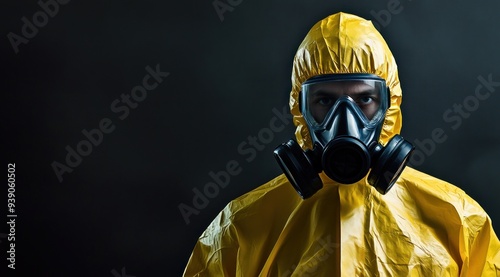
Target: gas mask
[{"x": 344, "y": 114}]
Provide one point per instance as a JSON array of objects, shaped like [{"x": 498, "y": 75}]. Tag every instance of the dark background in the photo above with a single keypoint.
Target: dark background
[{"x": 116, "y": 213}]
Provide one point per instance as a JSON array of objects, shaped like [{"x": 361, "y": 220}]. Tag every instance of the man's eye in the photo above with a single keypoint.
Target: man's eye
[
  {"x": 325, "y": 101},
  {"x": 365, "y": 100}
]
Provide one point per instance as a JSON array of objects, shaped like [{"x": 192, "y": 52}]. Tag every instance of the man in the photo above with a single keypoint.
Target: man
[{"x": 359, "y": 211}]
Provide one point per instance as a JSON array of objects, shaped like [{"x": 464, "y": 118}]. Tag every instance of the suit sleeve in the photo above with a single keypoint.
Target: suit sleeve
[
  {"x": 481, "y": 248},
  {"x": 484, "y": 258},
  {"x": 215, "y": 252}
]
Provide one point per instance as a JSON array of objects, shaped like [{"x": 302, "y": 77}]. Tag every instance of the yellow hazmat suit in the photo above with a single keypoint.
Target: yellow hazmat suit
[{"x": 422, "y": 227}]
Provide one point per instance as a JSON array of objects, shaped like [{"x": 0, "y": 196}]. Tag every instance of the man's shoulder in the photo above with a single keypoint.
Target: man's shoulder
[
  {"x": 274, "y": 192},
  {"x": 416, "y": 180},
  {"x": 265, "y": 206},
  {"x": 438, "y": 196}
]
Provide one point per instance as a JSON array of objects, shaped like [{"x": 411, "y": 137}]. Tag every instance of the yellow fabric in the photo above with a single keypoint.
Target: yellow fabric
[{"x": 422, "y": 227}]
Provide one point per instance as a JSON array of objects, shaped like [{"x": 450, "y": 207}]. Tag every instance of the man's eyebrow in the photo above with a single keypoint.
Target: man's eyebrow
[
  {"x": 369, "y": 91},
  {"x": 323, "y": 93}
]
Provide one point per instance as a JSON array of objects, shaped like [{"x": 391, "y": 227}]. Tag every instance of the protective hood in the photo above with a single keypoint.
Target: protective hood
[{"x": 345, "y": 43}]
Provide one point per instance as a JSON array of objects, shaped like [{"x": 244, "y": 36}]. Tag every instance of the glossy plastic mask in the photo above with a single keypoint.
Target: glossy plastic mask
[
  {"x": 344, "y": 113},
  {"x": 344, "y": 104}
]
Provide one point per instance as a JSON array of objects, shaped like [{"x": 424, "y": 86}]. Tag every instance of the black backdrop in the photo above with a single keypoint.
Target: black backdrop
[{"x": 117, "y": 212}]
